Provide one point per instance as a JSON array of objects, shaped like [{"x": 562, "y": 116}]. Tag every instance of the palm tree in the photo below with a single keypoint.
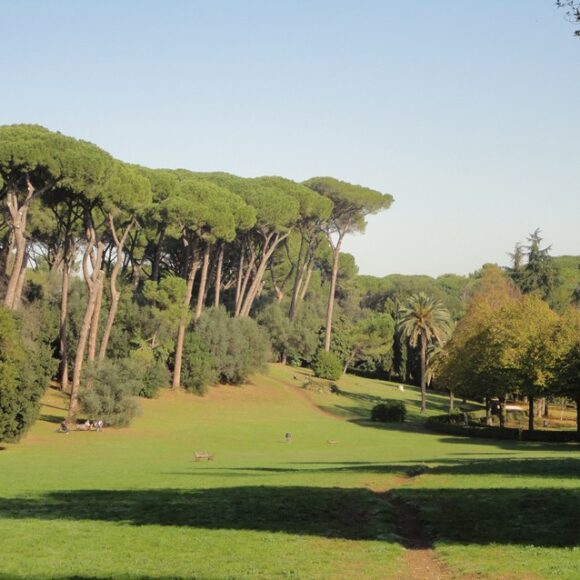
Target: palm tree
[{"x": 424, "y": 321}]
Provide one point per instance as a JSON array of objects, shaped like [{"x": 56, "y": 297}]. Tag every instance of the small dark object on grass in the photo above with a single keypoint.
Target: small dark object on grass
[
  {"x": 389, "y": 412},
  {"x": 288, "y": 437},
  {"x": 63, "y": 428}
]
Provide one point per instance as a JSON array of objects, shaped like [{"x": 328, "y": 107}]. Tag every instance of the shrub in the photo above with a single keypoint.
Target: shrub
[
  {"x": 25, "y": 370},
  {"x": 149, "y": 373},
  {"x": 389, "y": 412},
  {"x": 238, "y": 346},
  {"x": 198, "y": 365},
  {"x": 109, "y": 395},
  {"x": 327, "y": 365}
]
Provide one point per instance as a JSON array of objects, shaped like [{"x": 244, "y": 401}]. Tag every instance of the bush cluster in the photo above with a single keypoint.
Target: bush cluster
[
  {"x": 25, "y": 370},
  {"x": 108, "y": 393},
  {"x": 389, "y": 412},
  {"x": 327, "y": 365},
  {"x": 224, "y": 349}
]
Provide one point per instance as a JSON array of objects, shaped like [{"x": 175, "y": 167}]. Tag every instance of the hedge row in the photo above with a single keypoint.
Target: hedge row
[{"x": 441, "y": 424}]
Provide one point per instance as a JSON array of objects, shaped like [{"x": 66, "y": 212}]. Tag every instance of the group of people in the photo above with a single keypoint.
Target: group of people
[{"x": 86, "y": 426}]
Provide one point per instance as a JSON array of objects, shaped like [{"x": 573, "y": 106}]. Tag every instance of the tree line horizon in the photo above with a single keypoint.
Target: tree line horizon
[
  {"x": 122, "y": 274},
  {"x": 75, "y": 200}
]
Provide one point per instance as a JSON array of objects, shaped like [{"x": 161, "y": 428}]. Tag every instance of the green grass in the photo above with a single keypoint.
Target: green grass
[{"x": 130, "y": 503}]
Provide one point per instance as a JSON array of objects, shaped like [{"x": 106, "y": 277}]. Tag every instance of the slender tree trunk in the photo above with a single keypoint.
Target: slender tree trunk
[
  {"x": 218, "y": 276},
  {"x": 451, "y": 402},
  {"x": 63, "y": 368},
  {"x": 487, "y": 411},
  {"x": 155, "y": 267},
  {"x": 20, "y": 282},
  {"x": 578, "y": 414},
  {"x": 331, "y": 295},
  {"x": 183, "y": 323},
  {"x": 239, "y": 283},
  {"x": 546, "y": 409},
  {"x": 115, "y": 292},
  {"x": 83, "y": 336},
  {"x": 244, "y": 285},
  {"x": 18, "y": 224},
  {"x": 93, "y": 281},
  {"x": 298, "y": 279},
  {"x": 202, "y": 282},
  {"x": 502, "y": 411},
  {"x": 95, "y": 321},
  {"x": 423, "y": 374},
  {"x": 271, "y": 243},
  {"x": 306, "y": 283},
  {"x": 531, "y": 413}
]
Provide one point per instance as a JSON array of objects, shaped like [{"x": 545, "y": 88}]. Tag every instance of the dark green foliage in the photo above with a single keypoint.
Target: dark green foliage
[
  {"x": 199, "y": 366},
  {"x": 277, "y": 326},
  {"x": 389, "y": 412},
  {"x": 156, "y": 375},
  {"x": 327, "y": 365},
  {"x": 24, "y": 373},
  {"x": 238, "y": 345},
  {"x": 538, "y": 275},
  {"x": 109, "y": 396}
]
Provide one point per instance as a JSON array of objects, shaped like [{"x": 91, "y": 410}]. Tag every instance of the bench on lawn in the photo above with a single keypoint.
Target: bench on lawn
[{"x": 201, "y": 455}]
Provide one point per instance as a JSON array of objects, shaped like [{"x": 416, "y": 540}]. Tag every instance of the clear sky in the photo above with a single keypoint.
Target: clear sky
[{"x": 466, "y": 111}]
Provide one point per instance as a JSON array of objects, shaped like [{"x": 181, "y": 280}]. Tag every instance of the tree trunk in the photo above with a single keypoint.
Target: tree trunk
[
  {"x": 202, "y": 283},
  {"x": 155, "y": 267},
  {"x": 96, "y": 319},
  {"x": 423, "y": 374},
  {"x": 18, "y": 218},
  {"x": 298, "y": 280},
  {"x": 546, "y": 409},
  {"x": 239, "y": 283},
  {"x": 20, "y": 281},
  {"x": 115, "y": 292},
  {"x": 330, "y": 307},
  {"x": 218, "y": 276},
  {"x": 270, "y": 245},
  {"x": 306, "y": 283},
  {"x": 451, "y": 402},
  {"x": 502, "y": 411},
  {"x": 578, "y": 414},
  {"x": 93, "y": 281},
  {"x": 531, "y": 413},
  {"x": 183, "y": 323},
  {"x": 487, "y": 411},
  {"x": 63, "y": 367}
]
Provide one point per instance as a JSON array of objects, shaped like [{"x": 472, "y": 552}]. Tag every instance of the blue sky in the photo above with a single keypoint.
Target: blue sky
[{"x": 466, "y": 111}]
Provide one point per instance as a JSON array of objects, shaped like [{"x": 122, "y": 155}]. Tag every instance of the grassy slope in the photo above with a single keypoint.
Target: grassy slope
[{"x": 131, "y": 503}]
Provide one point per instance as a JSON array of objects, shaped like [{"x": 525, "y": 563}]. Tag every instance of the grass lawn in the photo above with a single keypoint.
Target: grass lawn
[{"x": 130, "y": 503}]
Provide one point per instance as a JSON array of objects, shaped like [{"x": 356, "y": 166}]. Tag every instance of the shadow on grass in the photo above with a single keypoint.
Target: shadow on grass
[
  {"x": 565, "y": 468},
  {"x": 540, "y": 517},
  {"x": 545, "y": 517},
  {"x": 354, "y": 514},
  {"x": 51, "y": 418}
]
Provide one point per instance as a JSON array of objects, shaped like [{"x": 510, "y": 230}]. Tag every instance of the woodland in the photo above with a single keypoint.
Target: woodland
[{"x": 117, "y": 280}]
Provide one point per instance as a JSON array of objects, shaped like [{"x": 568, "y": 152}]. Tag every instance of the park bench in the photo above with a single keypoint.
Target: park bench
[{"x": 201, "y": 455}]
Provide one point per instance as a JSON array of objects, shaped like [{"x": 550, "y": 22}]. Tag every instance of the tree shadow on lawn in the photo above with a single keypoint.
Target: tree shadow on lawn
[
  {"x": 562, "y": 468},
  {"x": 354, "y": 514},
  {"x": 51, "y": 418},
  {"x": 539, "y": 517}
]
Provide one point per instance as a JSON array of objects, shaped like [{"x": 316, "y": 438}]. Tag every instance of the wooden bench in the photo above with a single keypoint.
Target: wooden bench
[{"x": 201, "y": 455}]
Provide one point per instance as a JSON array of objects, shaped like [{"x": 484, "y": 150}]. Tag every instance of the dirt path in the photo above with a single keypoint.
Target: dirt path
[{"x": 420, "y": 559}]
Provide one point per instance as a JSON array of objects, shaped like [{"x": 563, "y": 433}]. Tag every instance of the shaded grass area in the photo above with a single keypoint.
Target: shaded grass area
[
  {"x": 130, "y": 503},
  {"x": 351, "y": 514}
]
